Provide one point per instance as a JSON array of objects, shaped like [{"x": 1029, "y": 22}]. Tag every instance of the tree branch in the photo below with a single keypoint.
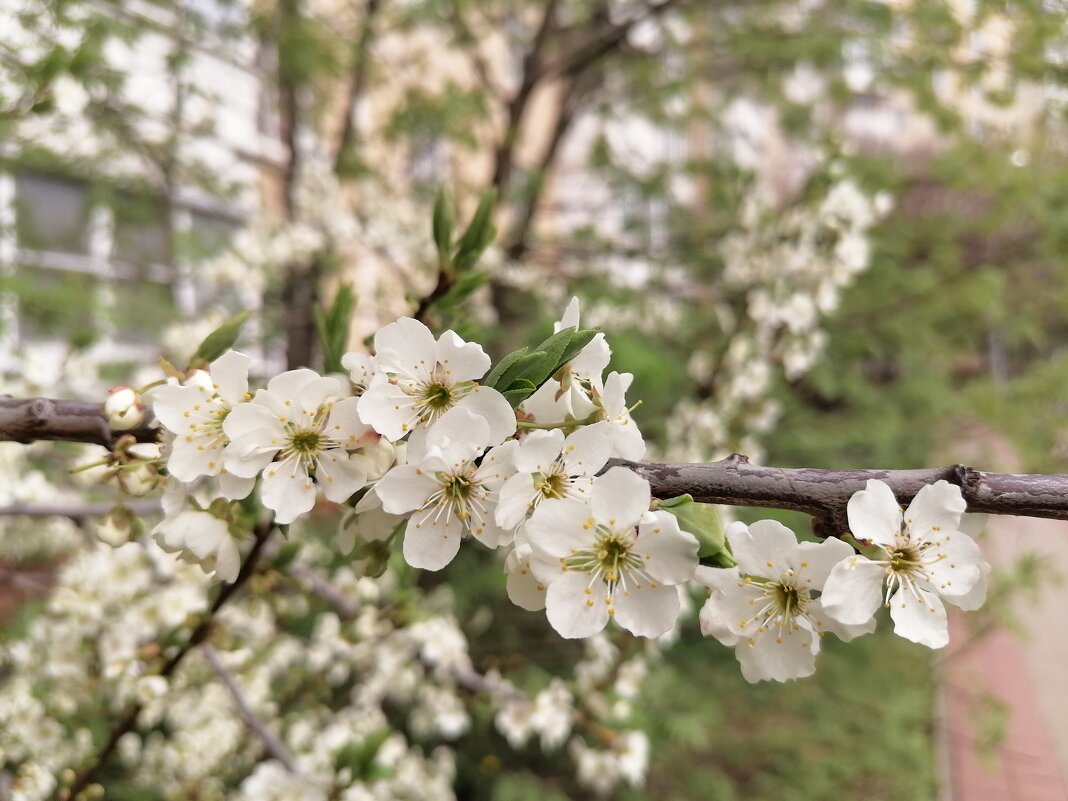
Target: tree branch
[
  {"x": 361, "y": 59},
  {"x": 733, "y": 481},
  {"x": 824, "y": 493},
  {"x": 27, "y": 420},
  {"x": 199, "y": 634},
  {"x": 77, "y": 511},
  {"x": 271, "y": 744}
]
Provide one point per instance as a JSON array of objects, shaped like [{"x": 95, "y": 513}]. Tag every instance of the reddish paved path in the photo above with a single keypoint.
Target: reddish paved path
[{"x": 1027, "y": 672}]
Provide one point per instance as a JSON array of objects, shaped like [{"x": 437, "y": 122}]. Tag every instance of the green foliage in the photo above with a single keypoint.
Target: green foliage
[
  {"x": 220, "y": 340},
  {"x": 519, "y": 374},
  {"x": 704, "y": 522},
  {"x": 333, "y": 327}
]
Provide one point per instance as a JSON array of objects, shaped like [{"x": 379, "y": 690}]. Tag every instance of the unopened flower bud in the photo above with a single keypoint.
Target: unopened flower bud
[
  {"x": 124, "y": 408},
  {"x": 118, "y": 527},
  {"x": 139, "y": 479}
]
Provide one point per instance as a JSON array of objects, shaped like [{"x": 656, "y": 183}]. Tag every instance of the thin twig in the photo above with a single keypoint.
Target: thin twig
[
  {"x": 274, "y": 746},
  {"x": 76, "y": 511}
]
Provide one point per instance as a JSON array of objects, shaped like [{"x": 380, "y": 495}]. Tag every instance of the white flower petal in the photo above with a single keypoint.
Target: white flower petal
[
  {"x": 669, "y": 553},
  {"x": 936, "y": 507},
  {"x": 854, "y": 590},
  {"x": 524, "y": 589},
  {"x": 431, "y": 544},
  {"x": 544, "y": 406},
  {"x": 825, "y": 623},
  {"x": 921, "y": 620},
  {"x": 172, "y": 403},
  {"x": 235, "y": 487},
  {"x": 405, "y": 347},
  {"x": 248, "y": 417},
  {"x": 287, "y": 490},
  {"x": 558, "y": 526},
  {"x": 765, "y": 548},
  {"x": 592, "y": 360},
  {"x": 620, "y": 498},
  {"x": 338, "y": 476},
  {"x": 514, "y": 500},
  {"x": 247, "y": 455},
  {"x": 816, "y": 560},
  {"x": 227, "y": 561},
  {"x": 732, "y": 602},
  {"x": 405, "y": 488},
  {"x": 976, "y": 596},
  {"x": 288, "y": 386},
  {"x": 573, "y": 611},
  {"x": 647, "y": 611},
  {"x": 587, "y": 450},
  {"x": 539, "y": 450},
  {"x": 462, "y": 361},
  {"x": 318, "y": 392},
  {"x": 344, "y": 425},
  {"x": 778, "y": 656},
  {"x": 874, "y": 514},
  {"x": 952, "y": 561},
  {"x": 460, "y": 435},
  {"x": 388, "y": 409},
  {"x": 492, "y": 407},
  {"x": 229, "y": 374},
  {"x": 191, "y": 459}
]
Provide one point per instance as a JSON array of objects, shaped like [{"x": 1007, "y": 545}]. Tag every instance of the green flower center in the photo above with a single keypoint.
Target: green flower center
[
  {"x": 553, "y": 485},
  {"x": 307, "y": 444},
  {"x": 436, "y": 397}
]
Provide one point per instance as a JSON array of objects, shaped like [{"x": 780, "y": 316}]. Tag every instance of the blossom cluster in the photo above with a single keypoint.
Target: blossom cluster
[{"x": 425, "y": 451}]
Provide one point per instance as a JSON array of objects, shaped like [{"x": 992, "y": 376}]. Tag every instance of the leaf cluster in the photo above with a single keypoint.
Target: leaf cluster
[{"x": 519, "y": 374}]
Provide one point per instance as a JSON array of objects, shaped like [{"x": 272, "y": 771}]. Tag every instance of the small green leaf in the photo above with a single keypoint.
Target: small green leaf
[
  {"x": 703, "y": 521},
  {"x": 520, "y": 368},
  {"x": 479, "y": 233},
  {"x": 579, "y": 339},
  {"x": 286, "y": 554},
  {"x": 221, "y": 339},
  {"x": 333, "y": 327},
  {"x": 498, "y": 370},
  {"x": 462, "y": 289},
  {"x": 443, "y": 222},
  {"x": 519, "y": 392}
]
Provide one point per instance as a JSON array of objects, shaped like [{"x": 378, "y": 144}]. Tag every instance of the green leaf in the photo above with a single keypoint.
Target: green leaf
[
  {"x": 519, "y": 392},
  {"x": 443, "y": 222},
  {"x": 479, "y": 233},
  {"x": 333, "y": 327},
  {"x": 498, "y": 370},
  {"x": 703, "y": 521},
  {"x": 579, "y": 339},
  {"x": 520, "y": 369},
  {"x": 221, "y": 339},
  {"x": 462, "y": 289}
]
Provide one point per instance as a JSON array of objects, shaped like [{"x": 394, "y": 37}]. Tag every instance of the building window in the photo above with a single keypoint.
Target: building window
[{"x": 52, "y": 214}]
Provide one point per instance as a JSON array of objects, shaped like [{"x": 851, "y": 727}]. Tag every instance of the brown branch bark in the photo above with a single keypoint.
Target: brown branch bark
[
  {"x": 27, "y": 420},
  {"x": 734, "y": 481},
  {"x": 128, "y": 722},
  {"x": 824, "y": 493}
]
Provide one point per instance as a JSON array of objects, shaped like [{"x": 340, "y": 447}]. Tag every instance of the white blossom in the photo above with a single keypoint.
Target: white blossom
[
  {"x": 195, "y": 413},
  {"x": 550, "y": 465},
  {"x": 926, "y": 558},
  {"x": 766, "y": 606},
  {"x": 609, "y": 558},
  {"x": 450, "y": 494},
  {"x": 203, "y": 539},
  {"x": 420, "y": 379},
  {"x": 298, "y": 433}
]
